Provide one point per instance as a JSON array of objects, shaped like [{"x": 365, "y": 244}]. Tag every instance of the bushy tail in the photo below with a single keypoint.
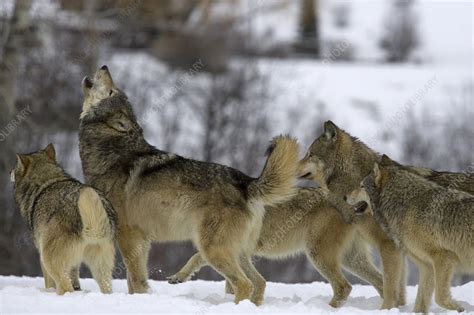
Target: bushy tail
[
  {"x": 95, "y": 221},
  {"x": 277, "y": 183}
]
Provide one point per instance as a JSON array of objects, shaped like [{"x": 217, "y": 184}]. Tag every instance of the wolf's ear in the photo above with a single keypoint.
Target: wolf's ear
[
  {"x": 386, "y": 161},
  {"x": 379, "y": 174},
  {"x": 22, "y": 162},
  {"x": 330, "y": 130},
  {"x": 50, "y": 152}
]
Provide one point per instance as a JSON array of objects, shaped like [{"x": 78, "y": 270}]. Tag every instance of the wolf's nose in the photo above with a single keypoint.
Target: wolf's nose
[{"x": 104, "y": 67}]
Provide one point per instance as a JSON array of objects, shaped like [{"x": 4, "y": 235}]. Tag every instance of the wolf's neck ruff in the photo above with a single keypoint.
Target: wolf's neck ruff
[
  {"x": 354, "y": 160},
  {"x": 28, "y": 207}
]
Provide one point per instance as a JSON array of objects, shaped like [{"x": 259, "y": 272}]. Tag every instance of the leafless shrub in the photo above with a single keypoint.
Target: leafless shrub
[
  {"x": 400, "y": 37},
  {"x": 443, "y": 143},
  {"x": 231, "y": 111}
]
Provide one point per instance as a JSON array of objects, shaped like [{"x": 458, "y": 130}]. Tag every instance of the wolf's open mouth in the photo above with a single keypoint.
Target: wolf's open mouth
[
  {"x": 306, "y": 176},
  {"x": 360, "y": 207},
  {"x": 88, "y": 82}
]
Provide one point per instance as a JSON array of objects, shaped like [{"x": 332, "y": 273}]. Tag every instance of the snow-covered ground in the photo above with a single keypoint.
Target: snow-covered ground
[{"x": 27, "y": 295}]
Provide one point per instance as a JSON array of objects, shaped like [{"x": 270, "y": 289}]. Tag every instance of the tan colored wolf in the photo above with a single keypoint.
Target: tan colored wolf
[
  {"x": 70, "y": 222},
  {"x": 434, "y": 224},
  {"x": 163, "y": 197},
  {"x": 338, "y": 161},
  {"x": 309, "y": 224}
]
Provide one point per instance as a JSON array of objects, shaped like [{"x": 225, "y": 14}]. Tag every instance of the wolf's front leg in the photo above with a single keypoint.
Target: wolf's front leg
[
  {"x": 134, "y": 248},
  {"x": 425, "y": 286},
  {"x": 392, "y": 259},
  {"x": 444, "y": 266},
  {"x": 75, "y": 278}
]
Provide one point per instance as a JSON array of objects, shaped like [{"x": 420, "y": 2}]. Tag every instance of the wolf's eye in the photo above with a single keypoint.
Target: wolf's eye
[{"x": 111, "y": 92}]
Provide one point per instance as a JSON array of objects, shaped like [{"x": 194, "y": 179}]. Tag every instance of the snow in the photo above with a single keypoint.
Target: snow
[{"x": 27, "y": 295}]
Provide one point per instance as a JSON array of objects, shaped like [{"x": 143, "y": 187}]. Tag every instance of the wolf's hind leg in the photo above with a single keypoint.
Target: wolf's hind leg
[
  {"x": 100, "y": 259},
  {"x": 358, "y": 261},
  {"x": 257, "y": 279},
  {"x": 48, "y": 280},
  {"x": 444, "y": 266},
  {"x": 58, "y": 262},
  {"x": 194, "y": 264},
  {"x": 226, "y": 263},
  {"x": 134, "y": 248}
]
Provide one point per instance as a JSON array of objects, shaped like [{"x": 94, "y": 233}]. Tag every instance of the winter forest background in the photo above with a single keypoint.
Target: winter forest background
[{"x": 215, "y": 80}]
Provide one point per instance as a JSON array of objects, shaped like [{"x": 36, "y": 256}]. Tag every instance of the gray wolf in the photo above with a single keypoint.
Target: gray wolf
[
  {"x": 338, "y": 161},
  {"x": 160, "y": 196},
  {"x": 434, "y": 224},
  {"x": 70, "y": 222},
  {"x": 309, "y": 224}
]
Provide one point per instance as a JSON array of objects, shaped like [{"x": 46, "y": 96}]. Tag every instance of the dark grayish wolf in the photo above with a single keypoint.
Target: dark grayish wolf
[
  {"x": 434, "y": 224},
  {"x": 71, "y": 222},
  {"x": 164, "y": 197},
  {"x": 309, "y": 223}
]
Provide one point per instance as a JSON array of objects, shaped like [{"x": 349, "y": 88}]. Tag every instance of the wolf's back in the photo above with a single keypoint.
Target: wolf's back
[
  {"x": 96, "y": 220},
  {"x": 277, "y": 183},
  {"x": 459, "y": 181}
]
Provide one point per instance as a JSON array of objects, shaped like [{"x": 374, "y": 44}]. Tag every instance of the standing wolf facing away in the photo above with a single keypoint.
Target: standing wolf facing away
[
  {"x": 71, "y": 222},
  {"x": 309, "y": 224},
  {"x": 163, "y": 197},
  {"x": 434, "y": 224}
]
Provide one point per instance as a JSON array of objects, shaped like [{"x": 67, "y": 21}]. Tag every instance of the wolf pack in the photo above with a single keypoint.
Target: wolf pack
[{"x": 136, "y": 194}]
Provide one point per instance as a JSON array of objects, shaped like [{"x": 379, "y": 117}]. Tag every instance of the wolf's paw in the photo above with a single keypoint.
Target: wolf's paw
[
  {"x": 175, "y": 279},
  {"x": 387, "y": 305},
  {"x": 139, "y": 287},
  {"x": 340, "y": 297},
  {"x": 450, "y": 305}
]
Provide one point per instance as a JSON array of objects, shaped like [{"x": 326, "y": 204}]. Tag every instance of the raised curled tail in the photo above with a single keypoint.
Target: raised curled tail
[
  {"x": 96, "y": 220},
  {"x": 277, "y": 183}
]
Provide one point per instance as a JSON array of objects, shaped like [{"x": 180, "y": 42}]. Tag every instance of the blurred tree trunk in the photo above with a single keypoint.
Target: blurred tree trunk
[
  {"x": 309, "y": 27},
  {"x": 14, "y": 45},
  {"x": 9, "y": 65},
  {"x": 9, "y": 71}
]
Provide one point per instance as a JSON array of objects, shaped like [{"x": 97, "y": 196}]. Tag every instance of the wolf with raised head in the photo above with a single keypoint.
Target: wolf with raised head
[
  {"x": 71, "y": 223},
  {"x": 160, "y": 196},
  {"x": 433, "y": 223}
]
